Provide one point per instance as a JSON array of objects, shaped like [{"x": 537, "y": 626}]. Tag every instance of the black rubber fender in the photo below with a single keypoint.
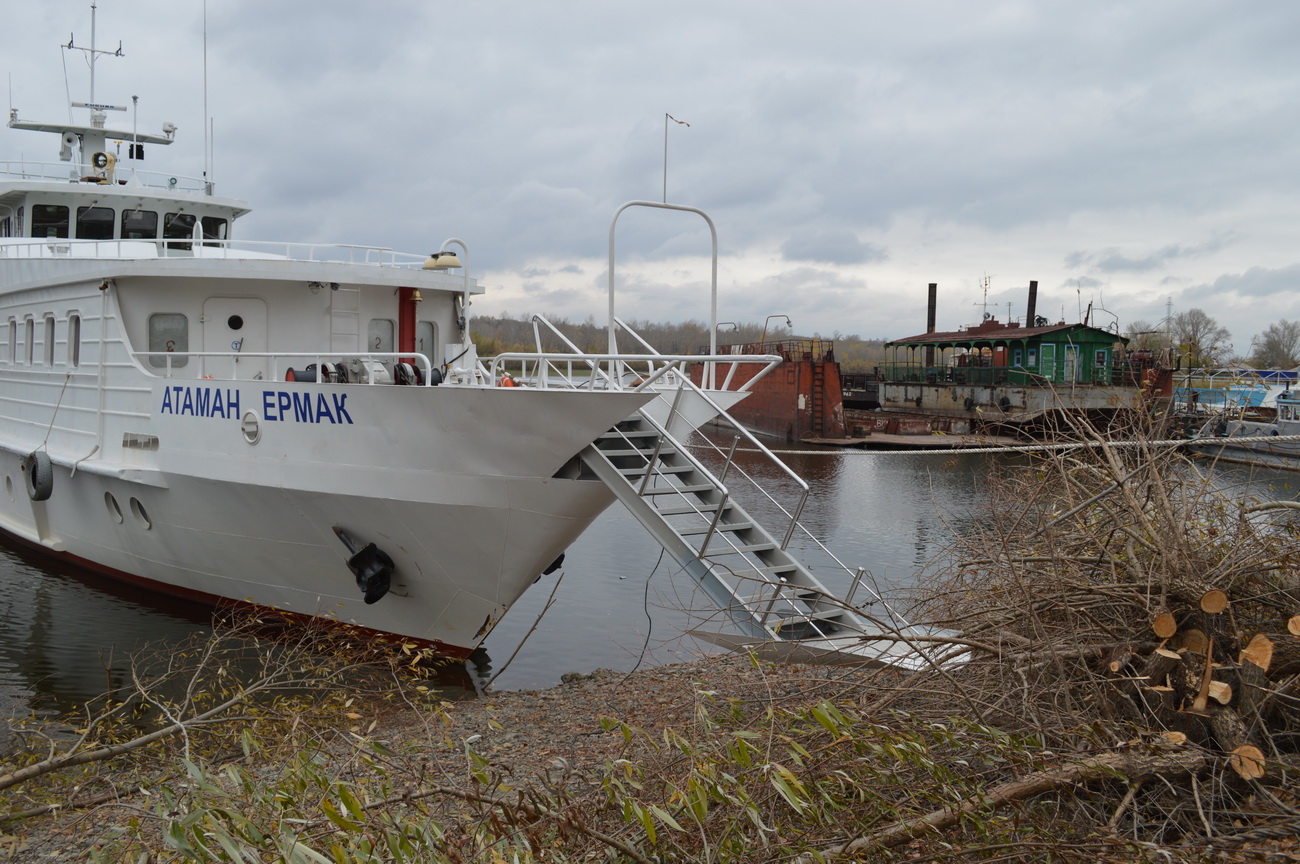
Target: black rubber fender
[{"x": 40, "y": 475}]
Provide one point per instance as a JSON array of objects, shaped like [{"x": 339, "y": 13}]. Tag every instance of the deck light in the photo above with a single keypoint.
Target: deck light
[{"x": 441, "y": 261}]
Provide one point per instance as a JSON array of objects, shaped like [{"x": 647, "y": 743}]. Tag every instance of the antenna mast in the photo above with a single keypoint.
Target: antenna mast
[
  {"x": 92, "y": 54},
  {"x": 984, "y": 284}
]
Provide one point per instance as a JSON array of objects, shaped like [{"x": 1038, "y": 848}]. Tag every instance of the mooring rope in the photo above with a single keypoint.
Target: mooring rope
[{"x": 831, "y": 450}]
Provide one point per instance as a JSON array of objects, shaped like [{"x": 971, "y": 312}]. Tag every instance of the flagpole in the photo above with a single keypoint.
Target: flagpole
[{"x": 665, "y": 157}]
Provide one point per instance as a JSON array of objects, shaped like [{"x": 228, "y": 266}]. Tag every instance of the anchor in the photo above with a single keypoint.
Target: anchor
[{"x": 371, "y": 565}]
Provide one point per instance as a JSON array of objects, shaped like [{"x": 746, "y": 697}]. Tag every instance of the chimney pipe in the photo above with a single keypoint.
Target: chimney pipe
[
  {"x": 1033, "y": 303},
  {"x": 929, "y": 321}
]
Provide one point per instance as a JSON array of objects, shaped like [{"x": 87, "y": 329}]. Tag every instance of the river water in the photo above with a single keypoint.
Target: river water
[{"x": 618, "y": 602}]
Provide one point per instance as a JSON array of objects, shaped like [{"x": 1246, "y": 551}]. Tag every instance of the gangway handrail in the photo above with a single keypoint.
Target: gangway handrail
[
  {"x": 763, "y": 449},
  {"x": 537, "y": 339}
]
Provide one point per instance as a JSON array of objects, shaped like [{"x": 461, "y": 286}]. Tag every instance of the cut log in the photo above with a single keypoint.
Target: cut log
[
  {"x": 1248, "y": 761},
  {"x": 1193, "y": 639},
  {"x": 1259, "y": 652},
  {"x": 1293, "y": 625},
  {"x": 1164, "y": 625},
  {"x": 1221, "y": 692},
  {"x": 1214, "y": 601}
]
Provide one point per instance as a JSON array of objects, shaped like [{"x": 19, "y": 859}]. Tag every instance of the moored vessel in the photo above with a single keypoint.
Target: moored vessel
[{"x": 306, "y": 427}]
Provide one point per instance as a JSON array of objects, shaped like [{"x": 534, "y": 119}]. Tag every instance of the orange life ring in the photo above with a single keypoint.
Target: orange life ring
[{"x": 506, "y": 381}]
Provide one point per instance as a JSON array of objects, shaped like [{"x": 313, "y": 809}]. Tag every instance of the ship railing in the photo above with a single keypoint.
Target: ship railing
[
  {"x": 369, "y": 367},
  {"x": 207, "y": 248},
  {"x": 64, "y": 172},
  {"x": 645, "y": 365}
]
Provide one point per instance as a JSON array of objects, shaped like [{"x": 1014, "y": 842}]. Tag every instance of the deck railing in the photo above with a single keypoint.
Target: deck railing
[
  {"x": 370, "y": 365},
  {"x": 128, "y": 249},
  {"x": 65, "y": 172}
]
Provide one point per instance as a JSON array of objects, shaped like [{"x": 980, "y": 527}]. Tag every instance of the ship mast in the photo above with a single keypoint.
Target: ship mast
[{"x": 92, "y": 53}]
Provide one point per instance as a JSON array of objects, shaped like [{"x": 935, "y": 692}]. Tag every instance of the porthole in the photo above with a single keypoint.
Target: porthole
[
  {"x": 114, "y": 511},
  {"x": 141, "y": 515},
  {"x": 235, "y": 322},
  {"x": 251, "y": 427}
]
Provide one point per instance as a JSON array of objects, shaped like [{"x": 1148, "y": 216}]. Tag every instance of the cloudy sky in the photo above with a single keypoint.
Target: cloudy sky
[{"x": 1137, "y": 156}]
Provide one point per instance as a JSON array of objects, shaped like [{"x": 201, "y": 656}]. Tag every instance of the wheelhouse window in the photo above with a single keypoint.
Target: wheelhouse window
[
  {"x": 95, "y": 223},
  {"x": 47, "y": 344},
  {"x": 50, "y": 220},
  {"x": 380, "y": 336},
  {"x": 215, "y": 228},
  {"x": 139, "y": 224},
  {"x": 179, "y": 229},
  {"x": 169, "y": 332}
]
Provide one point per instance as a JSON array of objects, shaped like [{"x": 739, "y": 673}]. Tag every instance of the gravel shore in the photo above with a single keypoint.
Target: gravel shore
[{"x": 520, "y": 732}]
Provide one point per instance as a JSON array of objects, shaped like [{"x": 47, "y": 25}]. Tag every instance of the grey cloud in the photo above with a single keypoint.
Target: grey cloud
[
  {"x": 833, "y": 246},
  {"x": 1114, "y": 261}
]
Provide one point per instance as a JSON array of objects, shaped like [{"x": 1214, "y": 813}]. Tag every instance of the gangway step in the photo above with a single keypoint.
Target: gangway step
[
  {"x": 740, "y": 550},
  {"x": 679, "y": 490},
  {"x": 721, "y": 526},
  {"x": 702, "y": 507},
  {"x": 659, "y": 469},
  {"x": 644, "y": 454}
]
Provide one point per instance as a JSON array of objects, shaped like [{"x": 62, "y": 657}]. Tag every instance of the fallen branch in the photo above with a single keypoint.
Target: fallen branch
[{"x": 1133, "y": 765}]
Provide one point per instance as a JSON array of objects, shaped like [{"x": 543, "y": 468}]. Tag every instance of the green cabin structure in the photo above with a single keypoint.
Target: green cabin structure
[
  {"x": 996, "y": 353},
  {"x": 996, "y": 373}
]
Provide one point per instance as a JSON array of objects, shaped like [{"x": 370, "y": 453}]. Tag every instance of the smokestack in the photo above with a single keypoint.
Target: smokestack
[
  {"x": 929, "y": 321},
  {"x": 1033, "y": 303}
]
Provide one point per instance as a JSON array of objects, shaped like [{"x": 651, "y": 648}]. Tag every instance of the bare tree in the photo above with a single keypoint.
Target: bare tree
[
  {"x": 1144, "y": 334},
  {"x": 1278, "y": 347},
  {"x": 1201, "y": 338}
]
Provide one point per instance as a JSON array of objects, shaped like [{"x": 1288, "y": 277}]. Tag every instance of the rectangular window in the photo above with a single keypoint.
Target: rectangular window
[
  {"x": 6, "y": 227},
  {"x": 139, "y": 225},
  {"x": 48, "y": 343},
  {"x": 179, "y": 228},
  {"x": 13, "y": 341},
  {"x": 50, "y": 220},
  {"x": 426, "y": 340},
  {"x": 169, "y": 332},
  {"x": 1015, "y": 357},
  {"x": 95, "y": 223},
  {"x": 74, "y": 340},
  {"x": 1032, "y": 358},
  {"x": 1100, "y": 360},
  {"x": 380, "y": 336},
  {"x": 29, "y": 340}
]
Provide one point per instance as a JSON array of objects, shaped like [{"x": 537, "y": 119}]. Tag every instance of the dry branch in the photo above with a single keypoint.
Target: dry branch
[{"x": 1133, "y": 765}]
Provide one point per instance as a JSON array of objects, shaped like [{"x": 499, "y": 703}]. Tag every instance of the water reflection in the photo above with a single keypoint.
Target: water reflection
[{"x": 66, "y": 636}]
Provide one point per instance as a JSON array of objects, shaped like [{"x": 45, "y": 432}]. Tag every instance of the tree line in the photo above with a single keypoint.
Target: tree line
[
  {"x": 1202, "y": 342},
  {"x": 503, "y": 334}
]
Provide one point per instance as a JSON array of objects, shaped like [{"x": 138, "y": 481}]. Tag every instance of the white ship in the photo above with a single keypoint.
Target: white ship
[{"x": 309, "y": 427}]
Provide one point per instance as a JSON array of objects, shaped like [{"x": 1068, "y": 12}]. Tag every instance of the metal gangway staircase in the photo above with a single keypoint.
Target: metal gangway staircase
[{"x": 746, "y": 569}]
